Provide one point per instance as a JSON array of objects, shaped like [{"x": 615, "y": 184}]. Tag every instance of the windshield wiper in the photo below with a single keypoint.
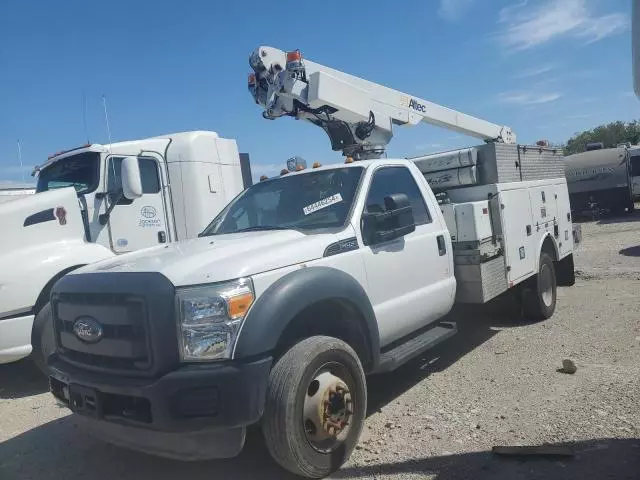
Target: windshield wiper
[{"x": 262, "y": 227}]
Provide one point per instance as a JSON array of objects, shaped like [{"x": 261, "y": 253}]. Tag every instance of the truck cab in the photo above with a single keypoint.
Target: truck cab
[{"x": 82, "y": 212}]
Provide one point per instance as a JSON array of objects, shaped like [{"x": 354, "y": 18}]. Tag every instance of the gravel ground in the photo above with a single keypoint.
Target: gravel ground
[{"x": 437, "y": 418}]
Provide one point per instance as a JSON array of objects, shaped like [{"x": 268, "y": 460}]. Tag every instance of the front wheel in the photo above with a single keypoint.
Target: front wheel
[
  {"x": 42, "y": 338},
  {"x": 539, "y": 300},
  {"x": 315, "y": 406}
]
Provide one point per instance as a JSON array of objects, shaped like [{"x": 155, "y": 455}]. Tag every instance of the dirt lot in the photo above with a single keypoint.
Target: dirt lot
[{"x": 494, "y": 384}]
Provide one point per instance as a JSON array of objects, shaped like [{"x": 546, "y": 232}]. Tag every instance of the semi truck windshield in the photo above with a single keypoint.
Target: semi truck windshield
[{"x": 81, "y": 171}]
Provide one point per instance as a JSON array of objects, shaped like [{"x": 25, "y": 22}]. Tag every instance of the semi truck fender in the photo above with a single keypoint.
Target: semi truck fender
[{"x": 289, "y": 296}]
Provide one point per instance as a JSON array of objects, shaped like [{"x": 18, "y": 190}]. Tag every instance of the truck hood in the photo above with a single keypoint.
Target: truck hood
[
  {"x": 47, "y": 216},
  {"x": 221, "y": 257}
]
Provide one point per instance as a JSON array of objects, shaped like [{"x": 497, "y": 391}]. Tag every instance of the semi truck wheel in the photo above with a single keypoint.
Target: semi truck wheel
[
  {"x": 539, "y": 296},
  {"x": 42, "y": 338},
  {"x": 315, "y": 407}
]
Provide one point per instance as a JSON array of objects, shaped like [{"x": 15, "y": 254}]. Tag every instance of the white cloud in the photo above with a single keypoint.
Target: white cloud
[
  {"x": 534, "y": 72},
  {"x": 580, "y": 116},
  {"x": 453, "y": 10},
  {"x": 528, "y": 98},
  {"x": 527, "y": 26}
]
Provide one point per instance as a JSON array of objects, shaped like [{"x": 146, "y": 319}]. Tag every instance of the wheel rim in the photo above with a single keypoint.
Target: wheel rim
[
  {"x": 328, "y": 409},
  {"x": 546, "y": 285}
]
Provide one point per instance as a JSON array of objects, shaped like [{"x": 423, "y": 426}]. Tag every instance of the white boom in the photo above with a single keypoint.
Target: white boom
[{"x": 358, "y": 115}]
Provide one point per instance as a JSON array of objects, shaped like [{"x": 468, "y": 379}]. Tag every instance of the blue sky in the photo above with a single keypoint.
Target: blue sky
[{"x": 546, "y": 68}]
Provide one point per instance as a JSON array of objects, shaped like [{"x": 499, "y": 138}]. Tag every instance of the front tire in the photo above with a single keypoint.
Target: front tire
[
  {"x": 42, "y": 338},
  {"x": 540, "y": 294},
  {"x": 315, "y": 406}
]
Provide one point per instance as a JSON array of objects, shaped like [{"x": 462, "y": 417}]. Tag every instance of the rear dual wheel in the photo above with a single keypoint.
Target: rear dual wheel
[
  {"x": 540, "y": 292},
  {"x": 315, "y": 407}
]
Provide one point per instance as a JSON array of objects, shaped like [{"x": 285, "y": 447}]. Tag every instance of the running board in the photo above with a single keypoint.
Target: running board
[{"x": 410, "y": 349}]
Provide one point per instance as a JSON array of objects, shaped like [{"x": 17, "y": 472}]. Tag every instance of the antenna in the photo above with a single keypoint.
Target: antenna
[
  {"x": 106, "y": 119},
  {"x": 20, "y": 160},
  {"x": 84, "y": 115}
]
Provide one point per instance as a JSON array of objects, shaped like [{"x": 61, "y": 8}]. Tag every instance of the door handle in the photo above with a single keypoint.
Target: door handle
[
  {"x": 162, "y": 237},
  {"x": 442, "y": 245}
]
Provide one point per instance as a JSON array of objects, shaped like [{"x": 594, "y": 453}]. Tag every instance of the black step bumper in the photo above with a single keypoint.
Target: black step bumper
[{"x": 190, "y": 402}]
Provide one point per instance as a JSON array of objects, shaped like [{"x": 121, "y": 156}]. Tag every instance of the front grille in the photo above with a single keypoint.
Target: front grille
[{"x": 124, "y": 345}]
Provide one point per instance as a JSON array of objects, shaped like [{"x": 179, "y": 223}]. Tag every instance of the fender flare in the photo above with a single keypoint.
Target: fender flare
[
  {"x": 554, "y": 243},
  {"x": 291, "y": 294}
]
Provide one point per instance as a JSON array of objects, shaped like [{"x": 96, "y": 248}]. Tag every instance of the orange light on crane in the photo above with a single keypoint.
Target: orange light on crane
[
  {"x": 263, "y": 178},
  {"x": 252, "y": 79},
  {"x": 294, "y": 56},
  {"x": 299, "y": 168},
  {"x": 316, "y": 165},
  {"x": 349, "y": 160}
]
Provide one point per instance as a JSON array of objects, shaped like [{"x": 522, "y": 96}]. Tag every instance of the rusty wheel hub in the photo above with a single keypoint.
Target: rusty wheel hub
[{"x": 328, "y": 408}]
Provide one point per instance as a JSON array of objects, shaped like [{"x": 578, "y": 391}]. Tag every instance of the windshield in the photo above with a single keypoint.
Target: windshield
[
  {"x": 309, "y": 201},
  {"x": 81, "y": 171}
]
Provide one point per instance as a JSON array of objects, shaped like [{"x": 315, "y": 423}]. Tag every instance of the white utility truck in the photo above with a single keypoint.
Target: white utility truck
[
  {"x": 307, "y": 282},
  {"x": 97, "y": 201}
]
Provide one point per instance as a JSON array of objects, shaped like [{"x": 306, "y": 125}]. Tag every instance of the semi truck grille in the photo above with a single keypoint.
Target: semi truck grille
[{"x": 122, "y": 344}]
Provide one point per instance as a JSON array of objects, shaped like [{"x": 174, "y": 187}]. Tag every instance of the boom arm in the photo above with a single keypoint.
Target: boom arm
[{"x": 358, "y": 115}]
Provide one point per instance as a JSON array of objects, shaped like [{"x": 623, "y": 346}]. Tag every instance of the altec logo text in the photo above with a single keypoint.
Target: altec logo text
[{"x": 417, "y": 106}]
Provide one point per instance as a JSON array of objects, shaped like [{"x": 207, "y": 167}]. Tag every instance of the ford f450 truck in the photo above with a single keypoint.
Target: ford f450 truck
[
  {"x": 300, "y": 287},
  {"x": 306, "y": 283}
]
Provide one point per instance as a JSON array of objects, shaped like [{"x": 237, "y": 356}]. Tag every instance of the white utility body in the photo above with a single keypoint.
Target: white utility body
[
  {"x": 79, "y": 214},
  {"x": 308, "y": 281}
]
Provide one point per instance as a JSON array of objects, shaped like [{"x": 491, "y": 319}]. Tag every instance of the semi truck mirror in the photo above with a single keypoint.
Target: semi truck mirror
[{"x": 131, "y": 180}]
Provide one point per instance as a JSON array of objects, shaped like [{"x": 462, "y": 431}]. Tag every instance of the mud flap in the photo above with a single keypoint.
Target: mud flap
[{"x": 565, "y": 272}]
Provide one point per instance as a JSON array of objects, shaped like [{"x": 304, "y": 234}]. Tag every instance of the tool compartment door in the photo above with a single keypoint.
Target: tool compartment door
[{"x": 518, "y": 233}]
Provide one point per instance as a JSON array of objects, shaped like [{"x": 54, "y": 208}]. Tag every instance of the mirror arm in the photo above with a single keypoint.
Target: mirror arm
[{"x": 104, "y": 218}]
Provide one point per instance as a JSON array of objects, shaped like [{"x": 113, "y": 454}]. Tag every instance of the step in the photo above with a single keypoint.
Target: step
[{"x": 413, "y": 347}]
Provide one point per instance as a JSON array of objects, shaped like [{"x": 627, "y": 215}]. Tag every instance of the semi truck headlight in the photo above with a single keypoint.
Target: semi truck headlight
[{"x": 210, "y": 317}]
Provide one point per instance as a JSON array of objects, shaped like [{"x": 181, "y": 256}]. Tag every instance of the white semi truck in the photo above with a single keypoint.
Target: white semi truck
[
  {"x": 79, "y": 214},
  {"x": 306, "y": 283},
  {"x": 10, "y": 192}
]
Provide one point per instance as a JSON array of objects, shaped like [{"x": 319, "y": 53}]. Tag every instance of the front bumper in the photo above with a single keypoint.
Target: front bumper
[
  {"x": 173, "y": 414},
  {"x": 15, "y": 338}
]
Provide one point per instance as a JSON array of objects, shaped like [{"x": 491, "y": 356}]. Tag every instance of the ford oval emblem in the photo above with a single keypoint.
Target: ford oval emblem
[{"x": 87, "y": 329}]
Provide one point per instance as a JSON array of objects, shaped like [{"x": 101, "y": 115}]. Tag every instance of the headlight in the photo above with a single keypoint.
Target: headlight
[{"x": 210, "y": 317}]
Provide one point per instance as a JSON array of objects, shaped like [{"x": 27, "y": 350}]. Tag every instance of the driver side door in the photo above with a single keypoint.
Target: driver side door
[
  {"x": 139, "y": 223},
  {"x": 409, "y": 278}
]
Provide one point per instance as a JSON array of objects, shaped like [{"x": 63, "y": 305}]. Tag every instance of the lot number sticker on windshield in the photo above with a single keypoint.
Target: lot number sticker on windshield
[{"x": 325, "y": 202}]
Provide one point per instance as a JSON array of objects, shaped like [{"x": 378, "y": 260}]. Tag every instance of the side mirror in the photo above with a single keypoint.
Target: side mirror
[
  {"x": 131, "y": 180},
  {"x": 395, "y": 222}
]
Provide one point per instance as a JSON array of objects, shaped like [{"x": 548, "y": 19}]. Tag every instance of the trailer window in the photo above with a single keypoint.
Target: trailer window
[
  {"x": 635, "y": 166},
  {"x": 389, "y": 180},
  {"x": 81, "y": 171}
]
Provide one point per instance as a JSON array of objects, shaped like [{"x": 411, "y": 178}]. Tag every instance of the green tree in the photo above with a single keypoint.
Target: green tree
[{"x": 610, "y": 135}]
